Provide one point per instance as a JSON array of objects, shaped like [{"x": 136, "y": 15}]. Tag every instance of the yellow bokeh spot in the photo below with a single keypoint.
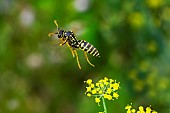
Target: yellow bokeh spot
[
  {"x": 136, "y": 20},
  {"x": 154, "y": 3},
  {"x": 166, "y": 13},
  {"x": 144, "y": 65},
  {"x": 152, "y": 46},
  {"x": 139, "y": 85},
  {"x": 133, "y": 74}
]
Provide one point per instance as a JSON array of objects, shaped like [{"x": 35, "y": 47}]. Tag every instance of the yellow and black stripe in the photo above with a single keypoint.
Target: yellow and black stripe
[{"x": 86, "y": 46}]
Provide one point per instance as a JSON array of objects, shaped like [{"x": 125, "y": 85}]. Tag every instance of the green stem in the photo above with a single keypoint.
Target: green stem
[{"x": 104, "y": 105}]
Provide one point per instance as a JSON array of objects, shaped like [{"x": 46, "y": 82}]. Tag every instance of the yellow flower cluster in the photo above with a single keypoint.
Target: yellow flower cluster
[
  {"x": 141, "y": 110},
  {"x": 104, "y": 88}
]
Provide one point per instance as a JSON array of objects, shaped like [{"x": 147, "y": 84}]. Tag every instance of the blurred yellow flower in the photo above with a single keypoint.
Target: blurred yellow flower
[
  {"x": 141, "y": 109},
  {"x": 154, "y": 3},
  {"x": 136, "y": 20}
]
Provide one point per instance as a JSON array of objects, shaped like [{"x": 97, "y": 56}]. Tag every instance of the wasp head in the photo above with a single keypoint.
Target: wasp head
[{"x": 60, "y": 33}]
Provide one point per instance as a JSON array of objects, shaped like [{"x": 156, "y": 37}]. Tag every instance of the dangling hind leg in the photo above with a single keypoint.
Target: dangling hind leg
[
  {"x": 72, "y": 52},
  {"x": 88, "y": 59},
  {"x": 77, "y": 58}
]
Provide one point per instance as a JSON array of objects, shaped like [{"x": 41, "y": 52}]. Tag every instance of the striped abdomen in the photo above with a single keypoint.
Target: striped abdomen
[{"x": 86, "y": 46}]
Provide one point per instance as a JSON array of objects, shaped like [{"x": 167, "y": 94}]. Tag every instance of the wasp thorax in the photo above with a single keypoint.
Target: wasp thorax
[{"x": 68, "y": 33}]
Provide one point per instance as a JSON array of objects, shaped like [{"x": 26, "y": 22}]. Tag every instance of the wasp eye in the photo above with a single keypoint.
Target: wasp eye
[{"x": 59, "y": 36}]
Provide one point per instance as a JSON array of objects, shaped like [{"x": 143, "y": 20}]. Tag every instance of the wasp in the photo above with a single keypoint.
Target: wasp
[{"x": 69, "y": 38}]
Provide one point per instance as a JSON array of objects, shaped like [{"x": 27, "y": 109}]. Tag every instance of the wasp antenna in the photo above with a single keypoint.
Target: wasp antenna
[{"x": 55, "y": 21}]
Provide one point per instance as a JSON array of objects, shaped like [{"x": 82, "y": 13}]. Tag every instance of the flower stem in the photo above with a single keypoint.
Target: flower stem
[{"x": 104, "y": 105}]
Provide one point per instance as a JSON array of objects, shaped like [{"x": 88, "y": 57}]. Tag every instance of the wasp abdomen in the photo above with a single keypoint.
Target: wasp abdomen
[{"x": 86, "y": 46}]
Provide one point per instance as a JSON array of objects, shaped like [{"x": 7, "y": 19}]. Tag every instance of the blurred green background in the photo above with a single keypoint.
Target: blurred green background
[{"x": 39, "y": 76}]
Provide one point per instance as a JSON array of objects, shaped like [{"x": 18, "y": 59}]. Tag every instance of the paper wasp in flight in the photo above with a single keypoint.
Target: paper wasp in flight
[{"x": 69, "y": 38}]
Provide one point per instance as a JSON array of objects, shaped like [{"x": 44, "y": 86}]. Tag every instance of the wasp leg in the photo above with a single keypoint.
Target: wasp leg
[
  {"x": 64, "y": 42},
  {"x": 88, "y": 59},
  {"x": 77, "y": 58},
  {"x": 71, "y": 50}
]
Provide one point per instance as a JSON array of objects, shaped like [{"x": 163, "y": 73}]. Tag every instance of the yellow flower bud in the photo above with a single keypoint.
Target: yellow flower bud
[
  {"x": 88, "y": 94},
  {"x": 97, "y": 100},
  {"x": 88, "y": 89},
  {"x": 89, "y": 81},
  {"x": 94, "y": 91},
  {"x": 115, "y": 95},
  {"x": 141, "y": 108}
]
